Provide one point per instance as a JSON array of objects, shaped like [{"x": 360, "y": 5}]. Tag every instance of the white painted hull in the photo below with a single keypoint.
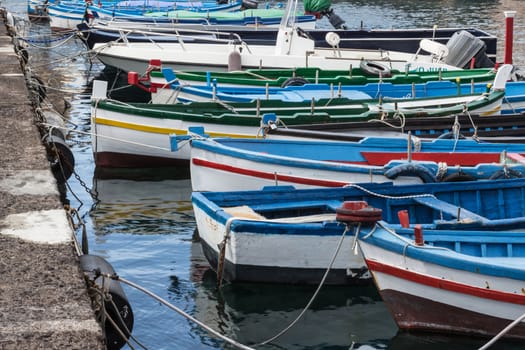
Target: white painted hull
[
  {"x": 215, "y": 56},
  {"x": 230, "y": 173},
  {"x": 267, "y": 250},
  {"x": 125, "y": 135},
  {"x": 60, "y": 20}
]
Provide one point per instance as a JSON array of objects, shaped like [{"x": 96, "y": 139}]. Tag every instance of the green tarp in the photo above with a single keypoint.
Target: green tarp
[{"x": 316, "y": 5}]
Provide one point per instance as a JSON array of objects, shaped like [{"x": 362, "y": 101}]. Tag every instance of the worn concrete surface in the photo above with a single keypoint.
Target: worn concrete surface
[{"x": 43, "y": 297}]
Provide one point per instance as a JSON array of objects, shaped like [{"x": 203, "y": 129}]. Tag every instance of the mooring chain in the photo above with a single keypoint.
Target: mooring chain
[
  {"x": 92, "y": 192},
  {"x": 72, "y": 215}
]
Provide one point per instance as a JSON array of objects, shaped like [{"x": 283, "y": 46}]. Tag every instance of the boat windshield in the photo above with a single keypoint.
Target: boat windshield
[{"x": 288, "y": 19}]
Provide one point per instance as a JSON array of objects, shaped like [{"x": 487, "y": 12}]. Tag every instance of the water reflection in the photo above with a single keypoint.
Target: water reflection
[
  {"x": 253, "y": 313},
  {"x": 139, "y": 207}
]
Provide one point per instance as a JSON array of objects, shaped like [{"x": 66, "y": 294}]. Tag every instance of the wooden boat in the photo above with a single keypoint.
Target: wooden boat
[
  {"x": 508, "y": 128},
  {"x": 275, "y": 78},
  {"x": 37, "y": 10},
  {"x": 175, "y": 91},
  {"x": 286, "y": 235},
  {"x": 404, "y": 40},
  {"x": 68, "y": 17},
  {"x": 292, "y": 48},
  {"x": 244, "y": 164},
  {"x": 134, "y": 134},
  {"x": 452, "y": 264}
]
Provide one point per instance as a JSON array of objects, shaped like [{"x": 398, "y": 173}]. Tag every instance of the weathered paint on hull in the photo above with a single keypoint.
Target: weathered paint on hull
[
  {"x": 123, "y": 160},
  {"x": 413, "y": 312}
]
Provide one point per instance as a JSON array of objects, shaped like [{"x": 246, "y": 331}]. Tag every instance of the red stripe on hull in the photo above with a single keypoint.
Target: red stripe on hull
[
  {"x": 440, "y": 283},
  {"x": 416, "y": 313},
  {"x": 266, "y": 175},
  {"x": 460, "y": 158}
]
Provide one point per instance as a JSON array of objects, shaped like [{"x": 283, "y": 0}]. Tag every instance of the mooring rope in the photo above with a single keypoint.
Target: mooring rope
[
  {"x": 379, "y": 195},
  {"x": 106, "y": 137},
  {"x": 62, "y": 40},
  {"x": 179, "y": 311},
  {"x": 503, "y": 332},
  {"x": 314, "y": 296},
  {"x": 101, "y": 296}
]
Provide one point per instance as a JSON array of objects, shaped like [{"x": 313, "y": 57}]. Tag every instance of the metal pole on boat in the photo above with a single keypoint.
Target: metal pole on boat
[
  {"x": 509, "y": 36},
  {"x": 409, "y": 146}
]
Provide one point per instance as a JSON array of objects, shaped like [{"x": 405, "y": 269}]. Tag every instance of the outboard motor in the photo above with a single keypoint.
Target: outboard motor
[
  {"x": 335, "y": 20},
  {"x": 463, "y": 47},
  {"x": 320, "y": 8}
]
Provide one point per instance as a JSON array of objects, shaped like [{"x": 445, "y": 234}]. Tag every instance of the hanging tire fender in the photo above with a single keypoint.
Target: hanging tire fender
[
  {"x": 119, "y": 309},
  {"x": 411, "y": 169},
  {"x": 375, "y": 69},
  {"x": 295, "y": 81},
  {"x": 458, "y": 177},
  {"x": 61, "y": 158},
  {"x": 506, "y": 174}
]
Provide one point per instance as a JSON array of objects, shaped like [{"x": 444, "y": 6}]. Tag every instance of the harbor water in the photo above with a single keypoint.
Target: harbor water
[{"x": 144, "y": 225}]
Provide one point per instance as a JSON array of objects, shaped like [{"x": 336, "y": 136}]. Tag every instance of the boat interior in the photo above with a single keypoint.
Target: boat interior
[{"x": 478, "y": 222}]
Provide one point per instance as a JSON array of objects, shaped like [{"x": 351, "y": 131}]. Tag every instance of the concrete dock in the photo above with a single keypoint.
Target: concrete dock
[{"x": 44, "y": 303}]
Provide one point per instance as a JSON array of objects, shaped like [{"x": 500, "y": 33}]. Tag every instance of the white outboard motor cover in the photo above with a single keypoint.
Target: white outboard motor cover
[{"x": 462, "y": 46}]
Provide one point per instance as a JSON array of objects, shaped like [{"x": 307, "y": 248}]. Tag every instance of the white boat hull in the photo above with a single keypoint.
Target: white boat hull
[
  {"x": 290, "y": 53},
  {"x": 281, "y": 258},
  {"x": 124, "y": 140},
  {"x": 230, "y": 173}
]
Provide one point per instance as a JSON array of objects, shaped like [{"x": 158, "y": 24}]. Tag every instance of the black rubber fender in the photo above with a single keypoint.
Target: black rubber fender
[
  {"x": 60, "y": 157},
  {"x": 295, "y": 81},
  {"x": 249, "y": 4},
  {"x": 121, "y": 311},
  {"x": 458, "y": 177},
  {"x": 506, "y": 174},
  {"x": 375, "y": 69},
  {"x": 411, "y": 169}
]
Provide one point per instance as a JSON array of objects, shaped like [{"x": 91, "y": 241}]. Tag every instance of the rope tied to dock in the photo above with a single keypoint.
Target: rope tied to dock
[
  {"x": 179, "y": 311},
  {"x": 101, "y": 296}
]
